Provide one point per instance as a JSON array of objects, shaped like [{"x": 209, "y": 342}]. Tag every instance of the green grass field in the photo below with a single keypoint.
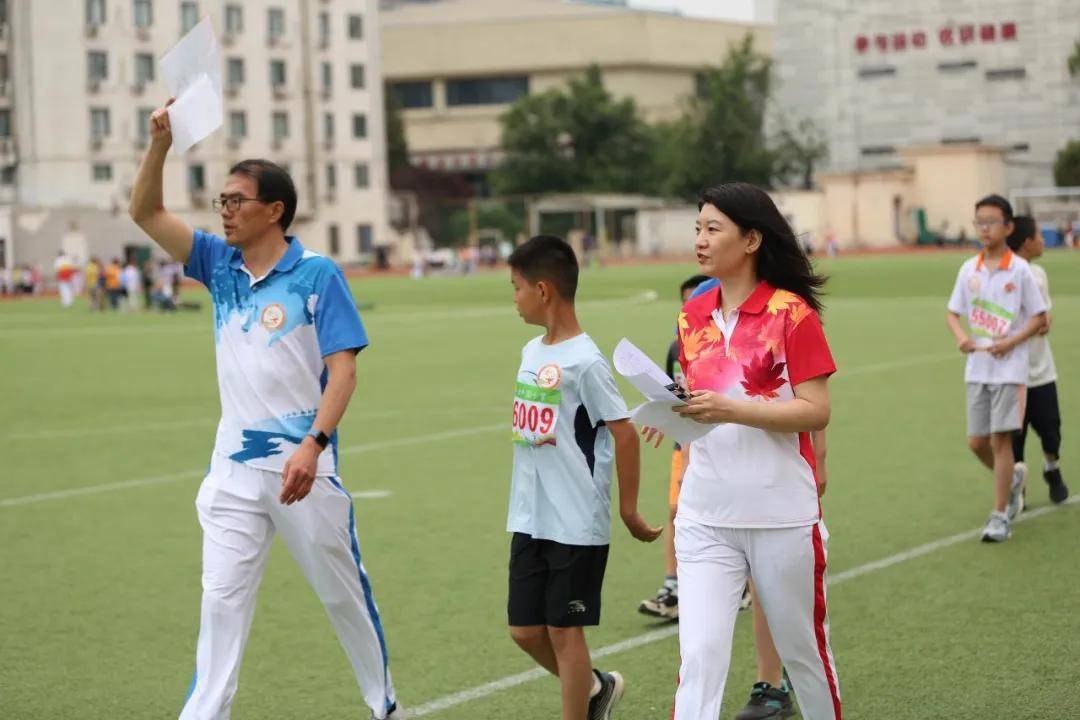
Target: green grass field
[{"x": 100, "y": 589}]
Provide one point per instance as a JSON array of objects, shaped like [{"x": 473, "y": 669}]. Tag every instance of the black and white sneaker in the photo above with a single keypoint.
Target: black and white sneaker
[
  {"x": 603, "y": 703},
  {"x": 665, "y": 605},
  {"x": 767, "y": 701},
  {"x": 1059, "y": 491}
]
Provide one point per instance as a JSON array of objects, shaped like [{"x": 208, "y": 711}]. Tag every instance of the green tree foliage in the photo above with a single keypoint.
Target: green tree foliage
[
  {"x": 1067, "y": 165},
  {"x": 575, "y": 139}
]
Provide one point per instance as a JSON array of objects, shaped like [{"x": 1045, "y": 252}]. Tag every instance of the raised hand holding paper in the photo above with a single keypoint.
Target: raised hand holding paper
[
  {"x": 661, "y": 393},
  {"x": 192, "y": 72}
]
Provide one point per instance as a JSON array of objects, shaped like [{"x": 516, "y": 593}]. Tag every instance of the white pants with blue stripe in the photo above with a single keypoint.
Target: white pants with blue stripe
[{"x": 239, "y": 513}]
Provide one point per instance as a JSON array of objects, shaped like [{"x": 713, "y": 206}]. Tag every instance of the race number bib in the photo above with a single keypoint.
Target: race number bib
[
  {"x": 988, "y": 319},
  {"x": 536, "y": 413}
]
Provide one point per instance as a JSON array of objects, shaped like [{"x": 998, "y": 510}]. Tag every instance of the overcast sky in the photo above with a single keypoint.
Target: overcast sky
[{"x": 745, "y": 10}]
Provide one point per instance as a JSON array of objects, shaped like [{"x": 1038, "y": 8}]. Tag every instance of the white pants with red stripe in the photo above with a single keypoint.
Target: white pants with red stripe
[
  {"x": 240, "y": 513},
  {"x": 788, "y": 569}
]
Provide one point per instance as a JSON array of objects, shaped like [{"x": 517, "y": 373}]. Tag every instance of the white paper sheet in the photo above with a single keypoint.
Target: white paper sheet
[
  {"x": 658, "y": 389},
  {"x": 192, "y": 72}
]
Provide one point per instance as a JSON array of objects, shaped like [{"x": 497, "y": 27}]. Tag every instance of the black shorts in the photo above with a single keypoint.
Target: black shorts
[{"x": 555, "y": 584}]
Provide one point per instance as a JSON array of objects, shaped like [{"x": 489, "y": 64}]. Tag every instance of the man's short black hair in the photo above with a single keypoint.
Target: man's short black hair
[
  {"x": 273, "y": 185},
  {"x": 691, "y": 283},
  {"x": 546, "y": 257},
  {"x": 1024, "y": 227},
  {"x": 1000, "y": 203}
]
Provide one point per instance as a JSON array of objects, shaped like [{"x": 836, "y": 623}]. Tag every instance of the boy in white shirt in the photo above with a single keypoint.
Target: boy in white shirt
[{"x": 997, "y": 295}]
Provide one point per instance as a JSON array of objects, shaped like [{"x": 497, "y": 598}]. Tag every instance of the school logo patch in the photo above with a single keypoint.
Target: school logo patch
[
  {"x": 973, "y": 284},
  {"x": 549, "y": 377},
  {"x": 1009, "y": 287},
  {"x": 273, "y": 317}
]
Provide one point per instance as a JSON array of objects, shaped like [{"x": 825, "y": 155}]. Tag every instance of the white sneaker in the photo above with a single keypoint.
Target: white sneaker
[
  {"x": 1016, "y": 491},
  {"x": 997, "y": 528}
]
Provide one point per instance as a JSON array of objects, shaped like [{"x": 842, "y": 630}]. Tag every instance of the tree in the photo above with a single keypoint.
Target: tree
[
  {"x": 579, "y": 138},
  {"x": 397, "y": 148},
  {"x": 1074, "y": 60},
  {"x": 797, "y": 150},
  {"x": 721, "y": 137},
  {"x": 1067, "y": 165}
]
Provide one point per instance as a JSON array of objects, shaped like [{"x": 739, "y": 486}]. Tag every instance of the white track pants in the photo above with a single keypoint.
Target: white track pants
[
  {"x": 67, "y": 292},
  {"x": 788, "y": 569},
  {"x": 239, "y": 513}
]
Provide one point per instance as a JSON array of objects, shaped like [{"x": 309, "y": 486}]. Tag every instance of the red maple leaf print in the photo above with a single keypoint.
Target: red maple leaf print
[{"x": 763, "y": 378}]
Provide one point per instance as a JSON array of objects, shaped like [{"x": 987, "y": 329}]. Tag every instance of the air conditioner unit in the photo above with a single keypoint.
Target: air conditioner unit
[
  {"x": 280, "y": 92},
  {"x": 7, "y": 147},
  {"x": 198, "y": 198},
  {"x": 93, "y": 86},
  {"x": 138, "y": 88},
  {"x": 233, "y": 142},
  {"x": 92, "y": 29},
  {"x": 273, "y": 40},
  {"x": 232, "y": 90},
  {"x": 328, "y": 144},
  {"x": 325, "y": 93},
  {"x": 278, "y": 143},
  {"x": 142, "y": 33},
  {"x": 96, "y": 142},
  {"x": 228, "y": 39},
  {"x": 3, "y": 88}
]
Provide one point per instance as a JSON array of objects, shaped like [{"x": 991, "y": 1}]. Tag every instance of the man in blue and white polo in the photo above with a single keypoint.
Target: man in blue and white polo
[{"x": 287, "y": 333}]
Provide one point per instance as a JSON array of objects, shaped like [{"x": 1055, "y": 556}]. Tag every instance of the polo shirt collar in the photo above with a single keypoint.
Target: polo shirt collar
[
  {"x": 757, "y": 301},
  {"x": 1004, "y": 264},
  {"x": 293, "y": 254}
]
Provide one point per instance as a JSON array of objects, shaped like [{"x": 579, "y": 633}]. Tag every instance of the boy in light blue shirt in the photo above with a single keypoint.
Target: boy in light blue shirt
[{"x": 570, "y": 425}]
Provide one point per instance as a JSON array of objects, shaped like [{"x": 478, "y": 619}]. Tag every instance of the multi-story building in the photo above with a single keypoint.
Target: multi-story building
[
  {"x": 455, "y": 66},
  {"x": 79, "y": 79}
]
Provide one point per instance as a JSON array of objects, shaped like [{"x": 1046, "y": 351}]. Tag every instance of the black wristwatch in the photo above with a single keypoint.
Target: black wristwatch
[{"x": 321, "y": 438}]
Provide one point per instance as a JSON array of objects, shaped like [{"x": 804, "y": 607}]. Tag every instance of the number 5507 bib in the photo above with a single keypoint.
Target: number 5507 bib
[{"x": 536, "y": 412}]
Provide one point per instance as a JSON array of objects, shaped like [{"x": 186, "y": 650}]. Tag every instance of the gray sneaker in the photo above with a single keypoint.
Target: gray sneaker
[
  {"x": 997, "y": 528},
  {"x": 1016, "y": 491}
]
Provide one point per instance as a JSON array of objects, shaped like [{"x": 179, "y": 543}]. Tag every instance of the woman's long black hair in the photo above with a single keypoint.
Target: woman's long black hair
[{"x": 781, "y": 262}]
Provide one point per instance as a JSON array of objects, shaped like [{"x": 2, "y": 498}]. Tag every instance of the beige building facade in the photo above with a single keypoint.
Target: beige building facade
[
  {"x": 455, "y": 66},
  {"x": 79, "y": 78}
]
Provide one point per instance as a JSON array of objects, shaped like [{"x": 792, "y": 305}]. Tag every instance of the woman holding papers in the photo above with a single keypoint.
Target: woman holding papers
[{"x": 756, "y": 362}]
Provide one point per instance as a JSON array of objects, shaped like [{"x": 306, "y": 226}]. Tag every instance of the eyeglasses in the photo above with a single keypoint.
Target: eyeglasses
[
  {"x": 231, "y": 203},
  {"x": 987, "y": 224}
]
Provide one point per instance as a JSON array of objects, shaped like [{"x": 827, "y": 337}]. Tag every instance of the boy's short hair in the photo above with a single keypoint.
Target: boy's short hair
[
  {"x": 1024, "y": 227},
  {"x": 692, "y": 283},
  {"x": 550, "y": 258},
  {"x": 1000, "y": 203}
]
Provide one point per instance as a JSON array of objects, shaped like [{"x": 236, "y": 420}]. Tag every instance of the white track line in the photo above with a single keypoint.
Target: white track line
[
  {"x": 481, "y": 691},
  {"x": 142, "y": 482}
]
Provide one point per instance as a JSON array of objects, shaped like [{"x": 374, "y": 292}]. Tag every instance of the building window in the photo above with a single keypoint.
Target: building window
[
  {"x": 324, "y": 29},
  {"x": 196, "y": 178},
  {"x": 360, "y": 175},
  {"x": 873, "y": 72},
  {"x": 4, "y": 70},
  {"x": 415, "y": 94},
  {"x": 364, "y": 244},
  {"x": 874, "y": 150},
  {"x": 281, "y": 125},
  {"x": 5, "y": 123},
  {"x": 142, "y": 122},
  {"x": 7, "y": 175},
  {"x": 333, "y": 240},
  {"x": 277, "y": 73},
  {"x": 234, "y": 19},
  {"x": 961, "y": 140},
  {"x": 331, "y": 176},
  {"x": 327, "y": 77},
  {"x": 144, "y": 13},
  {"x": 235, "y": 72},
  {"x": 101, "y": 172},
  {"x": 144, "y": 68},
  {"x": 356, "y": 74},
  {"x": 275, "y": 24},
  {"x": 328, "y": 127},
  {"x": 97, "y": 66},
  {"x": 956, "y": 66},
  {"x": 356, "y": 27},
  {"x": 486, "y": 91},
  {"x": 1007, "y": 74},
  {"x": 237, "y": 124},
  {"x": 95, "y": 12},
  {"x": 359, "y": 126},
  {"x": 189, "y": 16},
  {"x": 99, "y": 122}
]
